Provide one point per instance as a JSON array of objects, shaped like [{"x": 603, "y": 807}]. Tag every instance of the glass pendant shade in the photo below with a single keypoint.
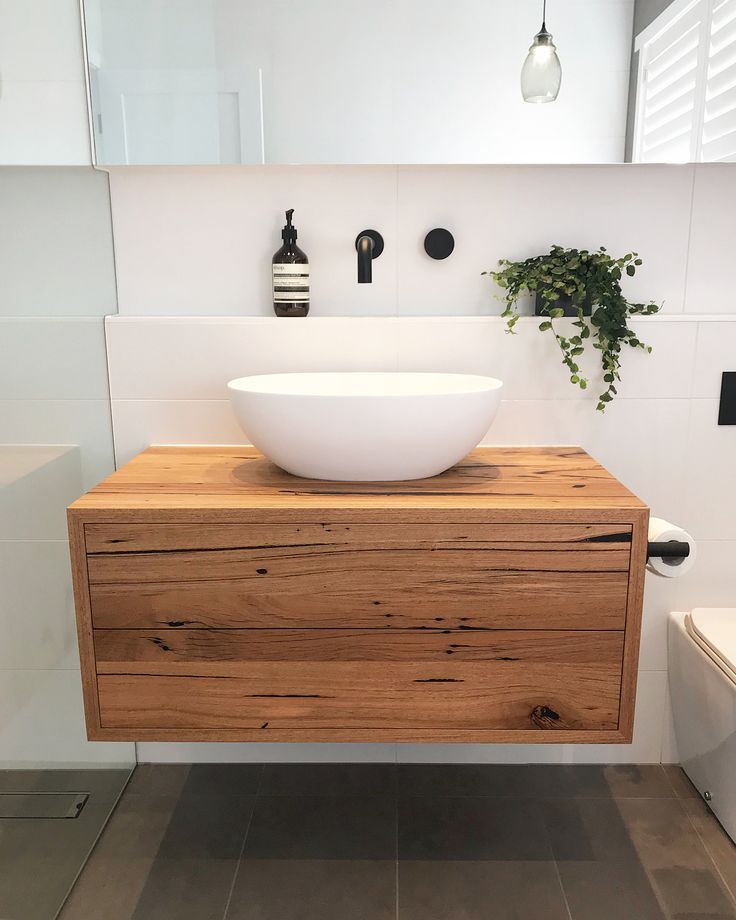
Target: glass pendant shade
[{"x": 541, "y": 74}]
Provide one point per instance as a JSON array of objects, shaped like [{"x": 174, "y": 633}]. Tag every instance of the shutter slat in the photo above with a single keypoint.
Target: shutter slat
[
  {"x": 670, "y": 130},
  {"x": 722, "y": 60},
  {"x": 723, "y": 14},
  {"x": 675, "y": 150},
  {"x": 722, "y": 150},
  {"x": 661, "y": 95}
]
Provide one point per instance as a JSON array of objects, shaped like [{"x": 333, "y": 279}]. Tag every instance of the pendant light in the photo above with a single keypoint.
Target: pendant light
[{"x": 541, "y": 74}]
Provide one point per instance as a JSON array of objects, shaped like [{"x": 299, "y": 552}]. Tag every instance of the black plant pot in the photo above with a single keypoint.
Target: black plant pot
[{"x": 564, "y": 303}]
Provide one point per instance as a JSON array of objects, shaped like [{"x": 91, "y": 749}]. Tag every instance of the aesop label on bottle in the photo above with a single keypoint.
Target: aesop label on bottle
[{"x": 290, "y": 282}]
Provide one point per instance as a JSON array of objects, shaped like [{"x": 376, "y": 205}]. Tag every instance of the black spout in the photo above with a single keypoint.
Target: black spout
[
  {"x": 369, "y": 245},
  {"x": 365, "y": 260}
]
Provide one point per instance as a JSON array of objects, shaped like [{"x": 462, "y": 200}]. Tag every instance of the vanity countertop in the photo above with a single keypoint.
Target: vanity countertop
[{"x": 508, "y": 483}]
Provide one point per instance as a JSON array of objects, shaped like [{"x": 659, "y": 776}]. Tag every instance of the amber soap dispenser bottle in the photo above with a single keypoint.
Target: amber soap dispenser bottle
[{"x": 290, "y": 275}]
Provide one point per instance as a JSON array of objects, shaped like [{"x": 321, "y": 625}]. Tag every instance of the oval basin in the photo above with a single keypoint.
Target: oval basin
[{"x": 365, "y": 427}]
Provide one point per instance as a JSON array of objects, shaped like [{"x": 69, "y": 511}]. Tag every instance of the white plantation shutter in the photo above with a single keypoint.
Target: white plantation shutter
[
  {"x": 718, "y": 140},
  {"x": 686, "y": 97}
]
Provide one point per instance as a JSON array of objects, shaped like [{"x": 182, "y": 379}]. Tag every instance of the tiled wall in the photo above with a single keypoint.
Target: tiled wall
[
  {"x": 44, "y": 102},
  {"x": 57, "y": 281},
  {"x": 193, "y": 255},
  {"x": 199, "y": 241}
]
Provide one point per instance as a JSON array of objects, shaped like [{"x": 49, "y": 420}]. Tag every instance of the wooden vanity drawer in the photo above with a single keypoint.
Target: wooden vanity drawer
[
  {"x": 344, "y": 682},
  {"x": 221, "y": 599},
  {"x": 531, "y": 576}
]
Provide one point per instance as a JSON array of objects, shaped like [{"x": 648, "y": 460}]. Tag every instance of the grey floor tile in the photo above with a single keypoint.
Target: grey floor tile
[
  {"x": 101, "y": 782},
  {"x": 323, "y": 828},
  {"x": 206, "y": 827},
  {"x": 720, "y": 847},
  {"x": 534, "y": 780},
  {"x": 136, "y": 828},
  {"x": 480, "y": 890},
  {"x": 467, "y": 828},
  {"x": 158, "y": 779},
  {"x": 108, "y": 889},
  {"x": 194, "y": 867},
  {"x": 599, "y": 867},
  {"x": 308, "y": 889},
  {"x": 329, "y": 779},
  {"x": 683, "y": 874},
  {"x": 223, "y": 779},
  {"x": 439, "y": 779},
  {"x": 186, "y": 889},
  {"x": 40, "y": 858},
  {"x": 635, "y": 781},
  {"x": 680, "y": 782},
  {"x": 688, "y": 891},
  {"x": 596, "y": 781},
  {"x": 117, "y": 870}
]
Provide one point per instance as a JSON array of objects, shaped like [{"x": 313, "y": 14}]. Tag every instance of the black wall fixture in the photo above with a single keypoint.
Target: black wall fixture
[
  {"x": 439, "y": 243},
  {"x": 727, "y": 410}
]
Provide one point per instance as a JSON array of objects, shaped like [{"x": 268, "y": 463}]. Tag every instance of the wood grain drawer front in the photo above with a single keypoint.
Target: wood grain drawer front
[
  {"x": 532, "y": 576},
  {"x": 266, "y": 681}
]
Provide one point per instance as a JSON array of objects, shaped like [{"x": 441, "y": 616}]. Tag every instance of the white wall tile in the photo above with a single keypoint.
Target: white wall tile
[
  {"x": 36, "y": 485},
  {"x": 715, "y": 353},
  {"x": 44, "y": 123},
  {"x": 710, "y": 460},
  {"x": 517, "y": 212},
  {"x": 41, "y": 40},
  {"x": 189, "y": 359},
  {"x": 56, "y": 256},
  {"x": 172, "y": 752},
  {"x": 670, "y": 753},
  {"x": 42, "y": 717},
  {"x": 200, "y": 242},
  {"x": 640, "y": 441},
  {"x": 710, "y": 287},
  {"x": 37, "y": 607},
  {"x": 82, "y": 422},
  {"x": 142, "y": 422},
  {"x": 45, "y": 358},
  {"x": 481, "y": 753},
  {"x": 529, "y": 361}
]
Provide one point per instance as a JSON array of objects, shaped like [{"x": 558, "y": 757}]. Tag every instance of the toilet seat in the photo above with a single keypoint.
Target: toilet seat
[{"x": 714, "y": 630}]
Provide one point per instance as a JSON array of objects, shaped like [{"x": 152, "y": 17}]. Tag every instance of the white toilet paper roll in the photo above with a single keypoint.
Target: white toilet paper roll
[{"x": 661, "y": 532}]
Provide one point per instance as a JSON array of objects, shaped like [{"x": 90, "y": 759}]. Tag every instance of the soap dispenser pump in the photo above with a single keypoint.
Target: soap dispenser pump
[{"x": 290, "y": 275}]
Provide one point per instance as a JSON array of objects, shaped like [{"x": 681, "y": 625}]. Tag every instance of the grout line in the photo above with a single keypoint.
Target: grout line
[
  {"x": 245, "y": 839},
  {"x": 562, "y": 887},
  {"x": 689, "y": 242},
  {"x": 396, "y": 835}
]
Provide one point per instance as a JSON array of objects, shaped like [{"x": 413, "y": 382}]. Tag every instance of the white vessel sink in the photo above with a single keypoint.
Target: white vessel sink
[{"x": 365, "y": 427}]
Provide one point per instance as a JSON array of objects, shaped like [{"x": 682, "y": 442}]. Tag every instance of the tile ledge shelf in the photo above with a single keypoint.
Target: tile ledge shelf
[{"x": 117, "y": 319}]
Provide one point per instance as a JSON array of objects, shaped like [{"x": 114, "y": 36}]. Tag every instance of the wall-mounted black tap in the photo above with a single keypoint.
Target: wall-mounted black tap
[{"x": 369, "y": 244}]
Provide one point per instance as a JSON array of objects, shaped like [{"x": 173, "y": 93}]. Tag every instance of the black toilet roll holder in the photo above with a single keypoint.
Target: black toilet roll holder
[{"x": 668, "y": 549}]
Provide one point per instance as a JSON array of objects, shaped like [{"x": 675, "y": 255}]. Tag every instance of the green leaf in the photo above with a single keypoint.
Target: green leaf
[{"x": 543, "y": 327}]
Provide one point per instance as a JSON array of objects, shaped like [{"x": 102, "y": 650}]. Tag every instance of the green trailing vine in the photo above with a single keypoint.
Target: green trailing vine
[{"x": 579, "y": 279}]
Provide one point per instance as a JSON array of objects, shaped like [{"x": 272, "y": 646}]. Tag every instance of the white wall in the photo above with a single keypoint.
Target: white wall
[
  {"x": 57, "y": 281},
  {"x": 43, "y": 101},
  {"x": 193, "y": 250}
]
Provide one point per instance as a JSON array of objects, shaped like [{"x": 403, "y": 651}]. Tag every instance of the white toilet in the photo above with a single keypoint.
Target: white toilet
[{"x": 702, "y": 676}]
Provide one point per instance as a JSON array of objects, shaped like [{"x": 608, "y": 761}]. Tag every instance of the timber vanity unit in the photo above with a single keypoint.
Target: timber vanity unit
[{"x": 219, "y": 598}]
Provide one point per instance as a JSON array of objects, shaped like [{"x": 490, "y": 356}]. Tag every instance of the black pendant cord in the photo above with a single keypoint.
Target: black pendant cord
[{"x": 544, "y": 15}]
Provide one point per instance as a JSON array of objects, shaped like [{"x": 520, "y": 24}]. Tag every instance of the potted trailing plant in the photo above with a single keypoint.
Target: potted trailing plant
[{"x": 586, "y": 286}]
